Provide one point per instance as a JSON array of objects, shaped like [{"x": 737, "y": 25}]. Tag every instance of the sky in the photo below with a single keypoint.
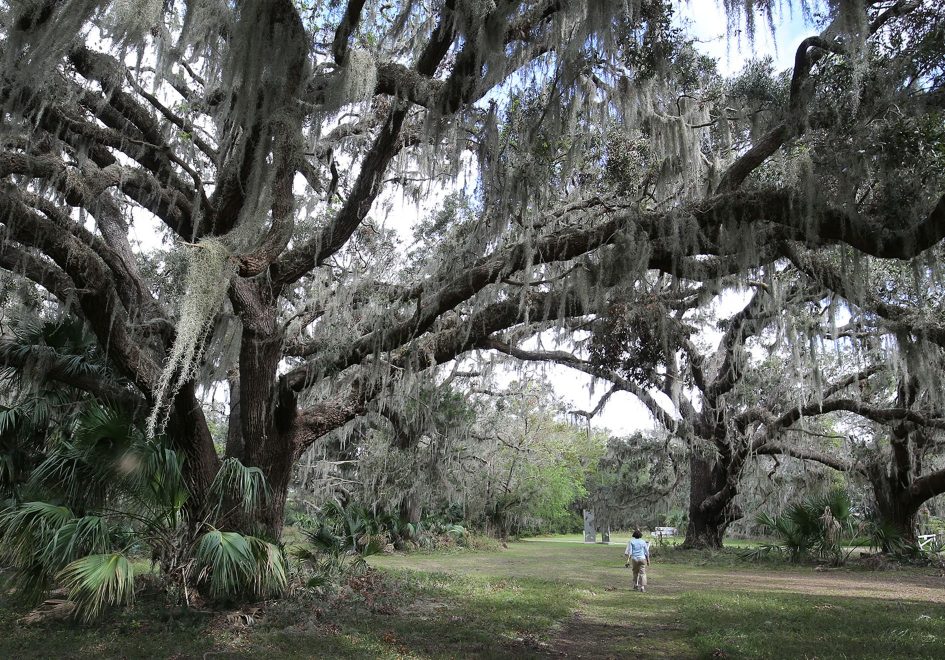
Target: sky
[{"x": 706, "y": 22}]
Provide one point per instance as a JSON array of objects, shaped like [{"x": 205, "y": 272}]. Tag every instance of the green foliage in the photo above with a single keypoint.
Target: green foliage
[
  {"x": 246, "y": 486},
  {"x": 537, "y": 469},
  {"x": 635, "y": 340},
  {"x": 884, "y": 535},
  {"x": 508, "y": 464},
  {"x": 94, "y": 581},
  {"x": 235, "y": 565},
  {"x": 34, "y": 413},
  {"x": 337, "y": 543},
  {"x": 94, "y": 489},
  {"x": 552, "y": 490},
  {"x": 340, "y": 538},
  {"x": 677, "y": 518},
  {"x": 39, "y": 539},
  {"x": 818, "y": 527},
  {"x": 637, "y": 482},
  {"x": 356, "y": 529}
]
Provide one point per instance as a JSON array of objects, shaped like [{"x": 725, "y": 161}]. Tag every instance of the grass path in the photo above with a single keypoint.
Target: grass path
[
  {"x": 703, "y": 608},
  {"x": 538, "y": 599},
  {"x": 602, "y": 567}
]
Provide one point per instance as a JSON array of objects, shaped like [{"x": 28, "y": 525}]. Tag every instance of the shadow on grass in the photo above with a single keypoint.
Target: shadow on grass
[
  {"x": 142, "y": 632},
  {"x": 787, "y": 625},
  {"x": 451, "y": 616}
]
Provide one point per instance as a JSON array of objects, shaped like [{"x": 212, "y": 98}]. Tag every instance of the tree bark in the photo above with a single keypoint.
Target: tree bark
[
  {"x": 265, "y": 420},
  {"x": 234, "y": 432},
  {"x": 188, "y": 431},
  {"x": 896, "y": 507},
  {"x": 897, "y": 502},
  {"x": 707, "y": 520},
  {"x": 411, "y": 509}
]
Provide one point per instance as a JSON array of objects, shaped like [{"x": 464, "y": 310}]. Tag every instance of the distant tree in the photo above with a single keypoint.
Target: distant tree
[
  {"x": 762, "y": 390},
  {"x": 538, "y": 462},
  {"x": 505, "y": 460},
  {"x": 897, "y": 307},
  {"x": 639, "y": 481}
]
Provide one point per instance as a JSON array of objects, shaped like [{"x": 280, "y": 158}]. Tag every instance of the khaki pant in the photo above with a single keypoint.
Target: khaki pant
[{"x": 639, "y": 572}]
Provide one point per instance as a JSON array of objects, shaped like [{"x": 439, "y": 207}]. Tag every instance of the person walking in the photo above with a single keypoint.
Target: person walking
[{"x": 638, "y": 555}]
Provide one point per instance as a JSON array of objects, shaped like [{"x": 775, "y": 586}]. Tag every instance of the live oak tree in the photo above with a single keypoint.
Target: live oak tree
[
  {"x": 260, "y": 137},
  {"x": 775, "y": 379},
  {"x": 898, "y": 308},
  {"x": 408, "y": 458},
  {"x": 639, "y": 482},
  {"x": 843, "y": 140}
]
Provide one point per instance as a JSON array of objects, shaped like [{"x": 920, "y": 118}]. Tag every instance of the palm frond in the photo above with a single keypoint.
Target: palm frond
[
  {"x": 271, "y": 573},
  {"x": 66, "y": 472},
  {"x": 65, "y": 342},
  {"x": 93, "y": 461},
  {"x": 322, "y": 539},
  {"x": 77, "y": 537},
  {"x": 155, "y": 472},
  {"x": 104, "y": 431},
  {"x": 371, "y": 544},
  {"x": 26, "y": 532},
  {"x": 456, "y": 531},
  {"x": 97, "y": 580},
  {"x": 246, "y": 486},
  {"x": 225, "y": 561},
  {"x": 12, "y": 419},
  {"x": 31, "y": 525}
]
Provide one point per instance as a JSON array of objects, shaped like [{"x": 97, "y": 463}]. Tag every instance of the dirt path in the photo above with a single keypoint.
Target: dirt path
[
  {"x": 887, "y": 585},
  {"x": 588, "y": 637}
]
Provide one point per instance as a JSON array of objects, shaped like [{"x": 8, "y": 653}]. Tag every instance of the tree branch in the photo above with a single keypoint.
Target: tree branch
[{"x": 773, "y": 449}]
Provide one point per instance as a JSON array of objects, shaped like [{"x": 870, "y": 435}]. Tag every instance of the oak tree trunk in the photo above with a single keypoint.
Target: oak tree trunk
[
  {"x": 264, "y": 417},
  {"x": 896, "y": 508},
  {"x": 707, "y": 524},
  {"x": 411, "y": 509},
  {"x": 187, "y": 429}
]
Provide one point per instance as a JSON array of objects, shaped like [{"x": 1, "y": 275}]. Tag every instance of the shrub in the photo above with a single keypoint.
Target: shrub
[{"x": 818, "y": 528}]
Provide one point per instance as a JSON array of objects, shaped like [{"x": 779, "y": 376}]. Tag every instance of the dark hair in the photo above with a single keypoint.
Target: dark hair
[{"x": 637, "y": 534}]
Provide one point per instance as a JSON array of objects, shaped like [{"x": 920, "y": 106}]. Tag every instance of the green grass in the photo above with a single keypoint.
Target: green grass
[
  {"x": 799, "y": 626},
  {"x": 540, "y": 598}
]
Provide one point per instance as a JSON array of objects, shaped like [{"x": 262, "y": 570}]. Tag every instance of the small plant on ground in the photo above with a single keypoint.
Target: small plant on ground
[
  {"x": 336, "y": 543},
  {"x": 816, "y": 528}
]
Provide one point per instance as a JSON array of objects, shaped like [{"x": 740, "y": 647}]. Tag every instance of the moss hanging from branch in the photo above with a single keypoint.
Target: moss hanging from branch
[
  {"x": 209, "y": 270},
  {"x": 357, "y": 82}
]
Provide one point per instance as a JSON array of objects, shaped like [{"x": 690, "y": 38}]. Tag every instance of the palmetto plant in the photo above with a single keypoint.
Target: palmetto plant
[
  {"x": 817, "y": 527},
  {"x": 32, "y": 410},
  {"x": 340, "y": 538},
  {"x": 93, "y": 492},
  {"x": 115, "y": 496},
  {"x": 358, "y": 530}
]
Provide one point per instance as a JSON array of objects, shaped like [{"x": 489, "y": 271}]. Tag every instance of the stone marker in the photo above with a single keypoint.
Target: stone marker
[{"x": 590, "y": 532}]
